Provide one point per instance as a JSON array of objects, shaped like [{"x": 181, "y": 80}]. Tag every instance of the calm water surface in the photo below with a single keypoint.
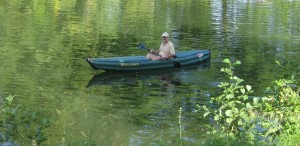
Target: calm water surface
[{"x": 43, "y": 46}]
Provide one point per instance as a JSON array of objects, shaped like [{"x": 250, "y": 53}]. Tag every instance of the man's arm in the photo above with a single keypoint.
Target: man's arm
[{"x": 169, "y": 56}]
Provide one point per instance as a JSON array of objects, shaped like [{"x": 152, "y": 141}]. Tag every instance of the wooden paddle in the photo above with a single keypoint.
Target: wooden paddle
[{"x": 175, "y": 63}]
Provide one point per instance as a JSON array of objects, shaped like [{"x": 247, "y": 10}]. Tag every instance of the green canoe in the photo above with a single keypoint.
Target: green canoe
[{"x": 140, "y": 63}]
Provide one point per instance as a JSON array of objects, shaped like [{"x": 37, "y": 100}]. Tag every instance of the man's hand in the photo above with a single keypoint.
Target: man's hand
[{"x": 163, "y": 58}]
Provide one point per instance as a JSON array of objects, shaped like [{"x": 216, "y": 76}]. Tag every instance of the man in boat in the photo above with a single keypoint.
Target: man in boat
[{"x": 165, "y": 51}]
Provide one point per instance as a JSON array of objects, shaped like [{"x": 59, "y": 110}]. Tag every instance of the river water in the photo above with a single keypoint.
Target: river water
[{"x": 44, "y": 44}]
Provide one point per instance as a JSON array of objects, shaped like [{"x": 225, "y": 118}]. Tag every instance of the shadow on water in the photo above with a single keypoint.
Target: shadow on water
[{"x": 168, "y": 75}]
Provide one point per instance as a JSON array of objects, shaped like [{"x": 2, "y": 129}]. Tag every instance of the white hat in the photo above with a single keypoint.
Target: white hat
[{"x": 165, "y": 34}]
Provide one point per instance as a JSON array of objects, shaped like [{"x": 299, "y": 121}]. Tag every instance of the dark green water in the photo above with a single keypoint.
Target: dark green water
[{"x": 43, "y": 46}]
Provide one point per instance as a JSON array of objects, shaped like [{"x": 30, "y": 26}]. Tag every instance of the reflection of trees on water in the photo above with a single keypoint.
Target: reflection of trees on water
[{"x": 151, "y": 100}]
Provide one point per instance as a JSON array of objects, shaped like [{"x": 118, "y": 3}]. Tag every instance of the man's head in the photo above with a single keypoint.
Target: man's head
[
  {"x": 165, "y": 37},
  {"x": 165, "y": 34}
]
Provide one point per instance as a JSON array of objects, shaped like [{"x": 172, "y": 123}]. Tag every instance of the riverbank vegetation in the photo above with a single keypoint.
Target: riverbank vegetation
[
  {"x": 238, "y": 118},
  {"x": 20, "y": 125}
]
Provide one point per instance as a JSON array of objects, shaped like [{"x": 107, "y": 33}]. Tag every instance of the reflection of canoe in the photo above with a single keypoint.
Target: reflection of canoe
[
  {"x": 113, "y": 78},
  {"x": 140, "y": 63},
  {"x": 116, "y": 78}
]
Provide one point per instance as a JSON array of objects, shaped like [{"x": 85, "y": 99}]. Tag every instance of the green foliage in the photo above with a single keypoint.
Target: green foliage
[
  {"x": 235, "y": 108},
  {"x": 239, "y": 115},
  {"x": 18, "y": 123},
  {"x": 289, "y": 139},
  {"x": 280, "y": 109},
  {"x": 219, "y": 139}
]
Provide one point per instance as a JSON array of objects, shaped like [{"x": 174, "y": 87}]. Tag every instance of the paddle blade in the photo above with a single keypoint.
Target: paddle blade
[{"x": 142, "y": 46}]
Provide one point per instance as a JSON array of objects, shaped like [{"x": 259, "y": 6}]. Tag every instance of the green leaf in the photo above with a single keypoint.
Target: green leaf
[
  {"x": 229, "y": 120},
  {"x": 235, "y": 110},
  {"x": 247, "y": 119},
  {"x": 235, "y": 78},
  {"x": 255, "y": 100},
  {"x": 216, "y": 118},
  {"x": 248, "y": 87},
  {"x": 289, "y": 81},
  {"x": 229, "y": 96},
  {"x": 293, "y": 77},
  {"x": 222, "y": 84},
  {"x": 237, "y": 62},
  {"x": 245, "y": 97},
  {"x": 226, "y": 61},
  {"x": 264, "y": 99},
  {"x": 231, "y": 103},
  {"x": 243, "y": 90},
  {"x": 249, "y": 106},
  {"x": 240, "y": 122},
  {"x": 243, "y": 114},
  {"x": 207, "y": 113},
  {"x": 228, "y": 113},
  {"x": 278, "y": 62}
]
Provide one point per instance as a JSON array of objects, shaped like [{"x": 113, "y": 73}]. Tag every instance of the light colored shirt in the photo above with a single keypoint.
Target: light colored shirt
[{"x": 166, "y": 49}]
